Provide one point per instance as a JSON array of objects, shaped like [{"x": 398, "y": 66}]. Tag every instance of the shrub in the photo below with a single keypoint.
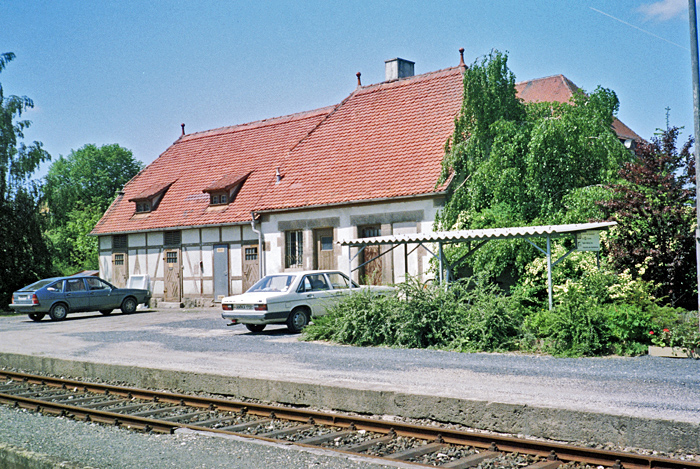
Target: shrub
[{"x": 467, "y": 315}]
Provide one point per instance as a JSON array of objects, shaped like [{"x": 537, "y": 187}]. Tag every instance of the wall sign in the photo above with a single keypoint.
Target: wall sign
[{"x": 588, "y": 241}]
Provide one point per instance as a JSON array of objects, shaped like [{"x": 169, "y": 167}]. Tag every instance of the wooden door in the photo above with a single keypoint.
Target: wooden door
[
  {"x": 251, "y": 266},
  {"x": 119, "y": 269},
  {"x": 172, "y": 275},
  {"x": 371, "y": 273},
  {"x": 324, "y": 256}
]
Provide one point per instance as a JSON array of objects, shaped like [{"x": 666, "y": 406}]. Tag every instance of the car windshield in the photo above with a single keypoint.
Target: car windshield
[
  {"x": 37, "y": 285},
  {"x": 272, "y": 283}
]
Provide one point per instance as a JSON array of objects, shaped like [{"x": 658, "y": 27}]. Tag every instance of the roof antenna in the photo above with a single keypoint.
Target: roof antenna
[
  {"x": 461, "y": 58},
  {"x": 359, "y": 83},
  {"x": 183, "y": 129}
]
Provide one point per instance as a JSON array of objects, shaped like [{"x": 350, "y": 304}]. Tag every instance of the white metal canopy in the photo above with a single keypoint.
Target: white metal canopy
[{"x": 453, "y": 237}]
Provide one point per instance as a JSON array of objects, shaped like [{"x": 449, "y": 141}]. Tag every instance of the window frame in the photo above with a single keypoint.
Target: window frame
[{"x": 293, "y": 249}]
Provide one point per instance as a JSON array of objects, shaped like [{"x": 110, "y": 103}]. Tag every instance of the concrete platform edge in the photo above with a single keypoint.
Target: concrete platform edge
[{"x": 542, "y": 422}]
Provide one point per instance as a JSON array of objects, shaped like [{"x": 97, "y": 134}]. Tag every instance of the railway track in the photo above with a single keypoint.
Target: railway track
[{"x": 424, "y": 446}]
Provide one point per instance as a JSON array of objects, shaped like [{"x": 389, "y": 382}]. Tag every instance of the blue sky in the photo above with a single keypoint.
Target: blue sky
[{"x": 130, "y": 72}]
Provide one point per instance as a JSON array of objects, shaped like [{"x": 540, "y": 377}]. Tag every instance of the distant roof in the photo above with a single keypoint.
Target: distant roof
[
  {"x": 487, "y": 234},
  {"x": 558, "y": 88}
]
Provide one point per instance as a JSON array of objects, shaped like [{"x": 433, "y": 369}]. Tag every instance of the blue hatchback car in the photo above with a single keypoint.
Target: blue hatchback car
[{"x": 59, "y": 296}]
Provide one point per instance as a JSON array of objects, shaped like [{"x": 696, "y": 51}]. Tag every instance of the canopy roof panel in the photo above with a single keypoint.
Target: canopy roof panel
[{"x": 487, "y": 234}]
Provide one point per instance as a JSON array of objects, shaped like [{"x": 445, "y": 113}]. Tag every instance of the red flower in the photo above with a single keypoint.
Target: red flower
[
  {"x": 651, "y": 332},
  {"x": 666, "y": 330}
]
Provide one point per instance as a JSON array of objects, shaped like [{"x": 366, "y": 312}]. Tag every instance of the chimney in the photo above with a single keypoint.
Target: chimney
[{"x": 397, "y": 68}]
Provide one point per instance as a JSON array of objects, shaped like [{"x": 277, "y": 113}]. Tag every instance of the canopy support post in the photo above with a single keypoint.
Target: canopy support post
[{"x": 549, "y": 269}]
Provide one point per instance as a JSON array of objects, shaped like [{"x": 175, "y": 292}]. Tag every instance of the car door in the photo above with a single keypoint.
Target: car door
[
  {"x": 77, "y": 294},
  {"x": 101, "y": 297},
  {"x": 316, "y": 291},
  {"x": 340, "y": 284}
]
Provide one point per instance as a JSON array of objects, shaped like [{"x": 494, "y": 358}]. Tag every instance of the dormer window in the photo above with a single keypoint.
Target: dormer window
[
  {"x": 224, "y": 190},
  {"x": 147, "y": 200},
  {"x": 143, "y": 207},
  {"x": 218, "y": 199}
]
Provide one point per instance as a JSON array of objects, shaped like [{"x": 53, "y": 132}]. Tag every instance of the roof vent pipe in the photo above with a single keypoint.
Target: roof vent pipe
[
  {"x": 278, "y": 176},
  {"x": 359, "y": 83},
  {"x": 183, "y": 129},
  {"x": 397, "y": 68}
]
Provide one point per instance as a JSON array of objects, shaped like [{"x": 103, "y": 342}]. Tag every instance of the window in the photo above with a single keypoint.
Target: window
[
  {"x": 119, "y": 259},
  {"x": 142, "y": 207},
  {"x": 172, "y": 238},
  {"x": 97, "y": 284},
  {"x": 273, "y": 283},
  {"x": 326, "y": 243},
  {"x": 171, "y": 257},
  {"x": 219, "y": 198},
  {"x": 56, "y": 287},
  {"x": 339, "y": 281},
  {"x": 119, "y": 241},
  {"x": 251, "y": 254},
  {"x": 75, "y": 285},
  {"x": 294, "y": 249},
  {"x": 315, "y": 282}
]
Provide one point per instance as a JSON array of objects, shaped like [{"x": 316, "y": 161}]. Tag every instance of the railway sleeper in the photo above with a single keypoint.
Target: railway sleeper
[
  {"x": 319, "y": 439},
  {"x": 417, "y": 451}
]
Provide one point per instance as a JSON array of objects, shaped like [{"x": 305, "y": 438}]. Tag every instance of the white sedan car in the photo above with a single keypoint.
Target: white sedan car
[{"x": 291, "y": 298}]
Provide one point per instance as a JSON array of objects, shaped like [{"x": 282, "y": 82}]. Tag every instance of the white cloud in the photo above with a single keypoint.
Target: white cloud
[{"x": 664, "y": 10}]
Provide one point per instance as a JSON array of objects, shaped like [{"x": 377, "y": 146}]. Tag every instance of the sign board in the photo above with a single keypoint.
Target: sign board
[{"x": 588, "y": 241}]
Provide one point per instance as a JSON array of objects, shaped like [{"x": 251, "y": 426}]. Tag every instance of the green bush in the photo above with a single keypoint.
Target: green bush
[{"x": 467, "y": 315}]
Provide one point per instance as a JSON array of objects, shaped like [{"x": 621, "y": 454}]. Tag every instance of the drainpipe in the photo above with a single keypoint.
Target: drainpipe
[{"x": 261, "y": 247}]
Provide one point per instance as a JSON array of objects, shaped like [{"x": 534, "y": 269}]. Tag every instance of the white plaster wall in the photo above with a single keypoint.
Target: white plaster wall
[
  {"x": 155, "y": 238},
  {"x": 208, "y": 269},
  {"x": 230, "y": 233},
  {"x": 138, "y": 261},
  {"x": 400, "y": 268},
  {"x": 137, "y": 240},
  {"x": 155, "y": 269},
  {"x": 275, "y": 256},
  {"x": 106, "y": 266},
  {"x": 190, "y": 236},
  {"x": 105, "y": 242},
  {"x": 191, "y": 272},
  {"x": 210, "y": 235}
]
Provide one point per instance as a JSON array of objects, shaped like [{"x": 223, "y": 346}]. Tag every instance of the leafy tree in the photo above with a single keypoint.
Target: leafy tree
[
  {"x": 516, "y": 164},
  {"x": 23, "y": 250},
  {"x": 79, "y": 188},
  {"x": 653, "y": 206}
]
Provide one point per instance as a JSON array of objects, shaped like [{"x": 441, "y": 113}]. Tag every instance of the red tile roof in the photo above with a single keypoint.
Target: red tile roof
[
  {"x": 199, "y": 160},
  {"x": 560, "y": 89},
  {"x": 384, "y": 141}
]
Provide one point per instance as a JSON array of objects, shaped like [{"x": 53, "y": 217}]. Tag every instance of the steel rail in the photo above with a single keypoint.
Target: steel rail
[{"x": 555, "y": 452}]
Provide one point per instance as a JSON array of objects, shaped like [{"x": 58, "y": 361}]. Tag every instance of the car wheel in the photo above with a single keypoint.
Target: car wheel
[
  {"x": 297, "y": 320},
  {"x": 58, "y": 311},
  {"x": 36, "y": 316},
  {"x": 106, "y": 312},
  {"x": 128, "y": 305},
  {"x": 255, "y": 327}
]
